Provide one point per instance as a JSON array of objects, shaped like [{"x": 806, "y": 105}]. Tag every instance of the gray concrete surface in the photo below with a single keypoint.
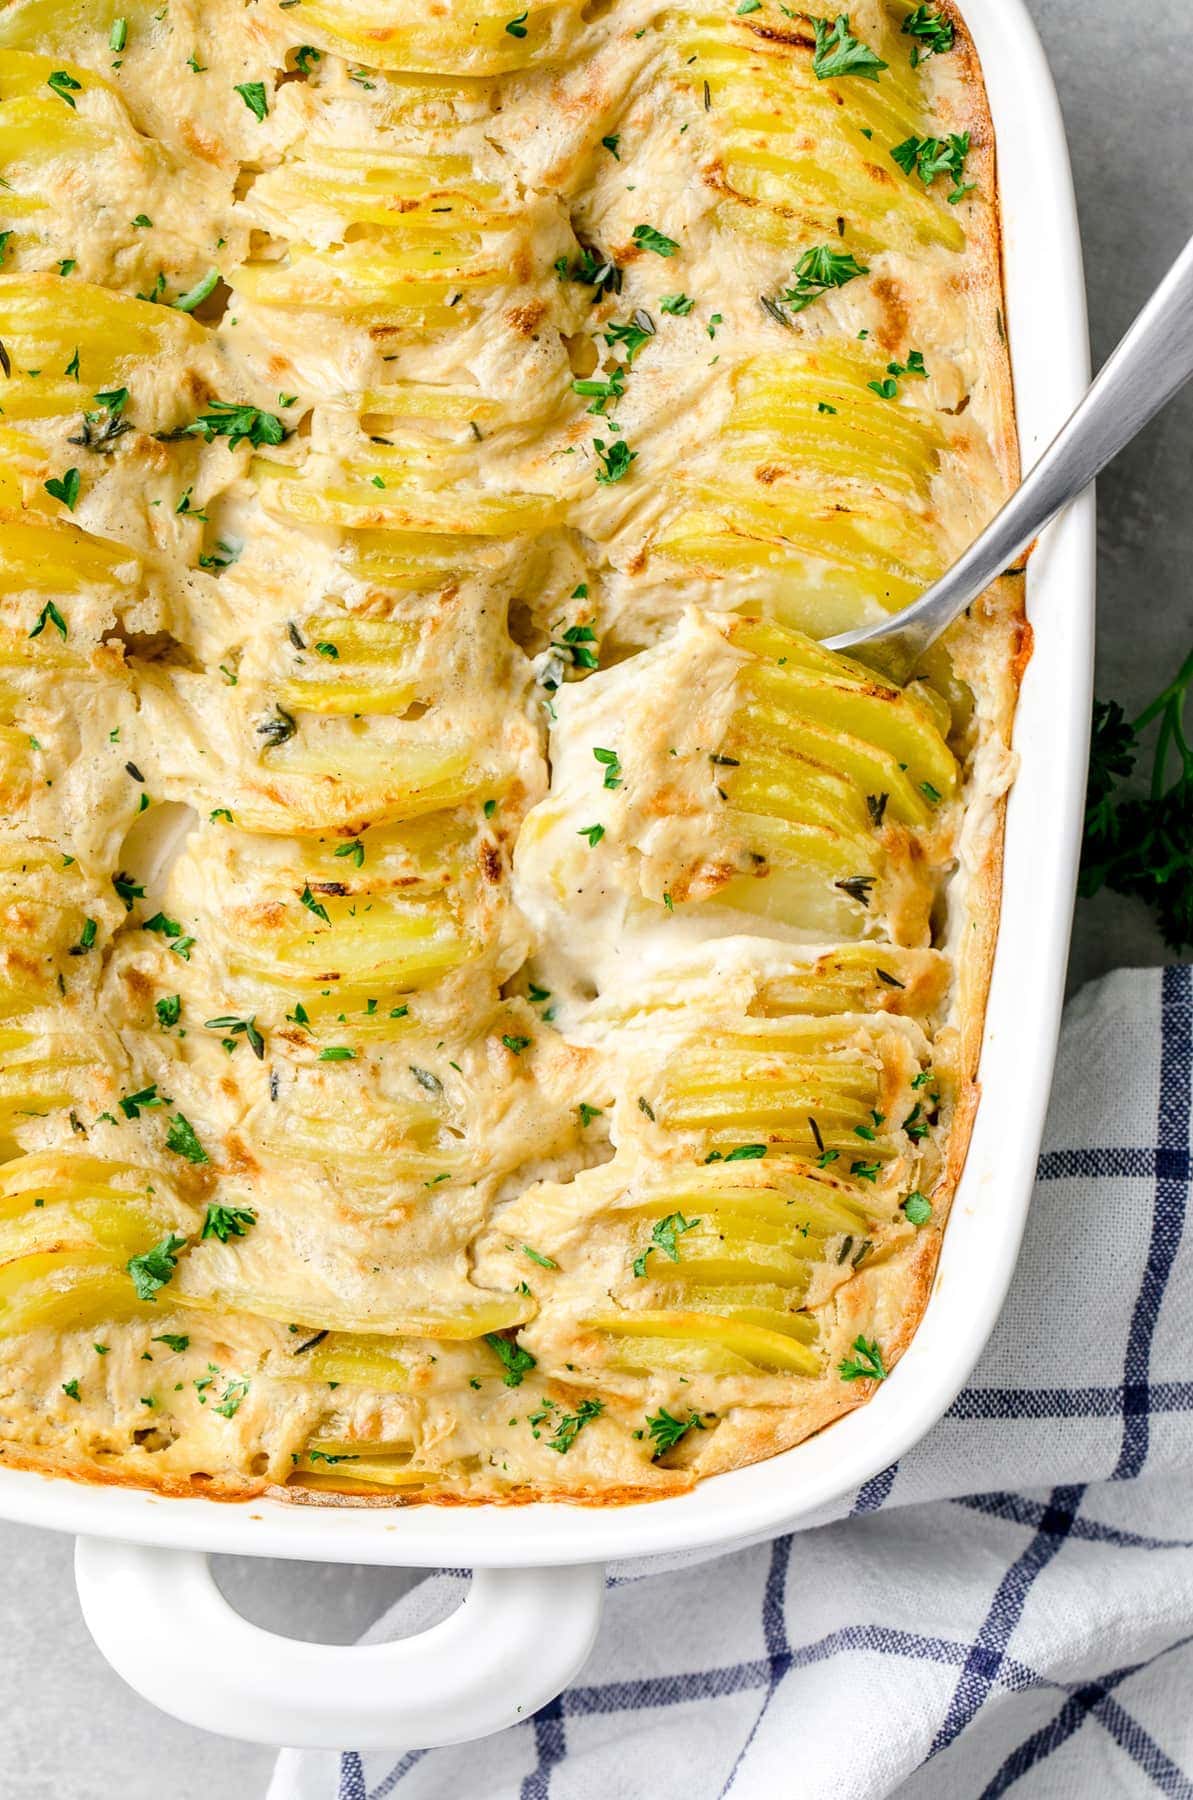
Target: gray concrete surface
[{"x": 70, "y": 1730}]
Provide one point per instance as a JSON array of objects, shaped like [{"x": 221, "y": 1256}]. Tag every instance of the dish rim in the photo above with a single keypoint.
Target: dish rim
[{"x": 1047, "y": 327}]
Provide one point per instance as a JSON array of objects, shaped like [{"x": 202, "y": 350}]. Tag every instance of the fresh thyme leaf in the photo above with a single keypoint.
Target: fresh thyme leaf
[
  {"x": 858, "y": 887},
  {"x": 838, "y": 52},
  {"x": 544, "y": 1262},
  {"x": 678, "y": 305},
  {"x": 239, "y": 1027},
  {"x": 277, "y": 727}
]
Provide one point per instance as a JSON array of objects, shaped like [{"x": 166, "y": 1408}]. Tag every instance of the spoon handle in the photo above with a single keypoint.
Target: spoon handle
[{"x": 1153, "y": 361}]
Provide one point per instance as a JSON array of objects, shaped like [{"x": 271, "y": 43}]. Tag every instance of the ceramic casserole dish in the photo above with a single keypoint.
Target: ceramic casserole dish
[{"x": 534, "y": 1606}]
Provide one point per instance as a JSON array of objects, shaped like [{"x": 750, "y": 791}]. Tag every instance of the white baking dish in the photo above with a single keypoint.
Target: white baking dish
[{"x": 534, "y": 1607}]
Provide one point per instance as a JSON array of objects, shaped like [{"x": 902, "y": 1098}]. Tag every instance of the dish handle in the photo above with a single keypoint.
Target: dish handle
[{"x": 157, "y": 1616}]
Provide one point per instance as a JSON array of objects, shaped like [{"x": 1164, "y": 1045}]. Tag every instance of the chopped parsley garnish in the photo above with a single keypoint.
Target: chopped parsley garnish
[
  {"x": 254, "y": 96},
  {"x": 838, "y": 52},
  {"x": 1140, "y": 844},
  {"x": 650, "y": 239},
  {"x": 865, "y": 1171},
  {"x": 544, "y": 1262},
  {"x": 64, "y": 488},
  {"x": 663, "y": 1236},
  {"x": 195, "y": 296},
  {"x": 666, "y": 1431},
  {"x": 594, "y": 834},
  {"x": 86, "y": 938},
  {"x": 231, "y": 420},
  {"x": 631, "y": 334},
  {"x": 866, "y": 1362},
  {"x": 223, "y": 1222},
  {"x": 611, "y": 145},
  {"x": 49, "y": 615},
  {"x": 182, "y": 1140},
  {"x": 615, "y": 460},
  {"x": 314, "y": 906},
  {"x": 588, "y": 1114},
  {"x": 517, "y": 27},
  {"x": 177, "y": 1341},
  {"x": 170, "y": 928},
  {"x": 516, "y": 1361},
  {"x": 337, "y": 1053},
  {"x": 917, "y": 1208},
  {"x": 888, "y": 387},
  {"x": 746, "y": 1153},
  {"x": 592, "y": 267},
  {"x": 612, "y": 767},
  {"x": 234, "y": 1393},
  {"x": 304, "y": 56},
  {"x": 678, "y": 305},
  {"x": 817, "y": 271},
  {"x": 155, "y": 1267},
  {"x": 131, "y": 1104},
  {"x": 235, "y": 1027},
  {"x": 516, "y": 1044},
  {"x": 353, "y": 848},
  {"x": 71, "y": 1389},
  {"x": 929, "y": 157},
  {"x": 567, "y": 1427},
  {"x": 128, "y": 890},
  {"x": 933, "y": 35},
  {"x": 64, "y": 86}
]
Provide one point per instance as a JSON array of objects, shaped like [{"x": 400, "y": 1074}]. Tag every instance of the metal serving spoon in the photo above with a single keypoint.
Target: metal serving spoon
[{"x": 1151, "y": 364}]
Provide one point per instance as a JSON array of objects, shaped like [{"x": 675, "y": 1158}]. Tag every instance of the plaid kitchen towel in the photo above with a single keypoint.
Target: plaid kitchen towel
[{"x": 1007, "y": 1611}]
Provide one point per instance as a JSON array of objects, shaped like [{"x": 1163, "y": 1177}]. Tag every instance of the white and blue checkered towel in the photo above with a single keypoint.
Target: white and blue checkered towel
[{"x": 1007, "y": 1611}]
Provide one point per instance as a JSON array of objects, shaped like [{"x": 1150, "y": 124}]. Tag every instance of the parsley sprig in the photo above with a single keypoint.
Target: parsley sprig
[
  {"x": 838, "y": 52},
  {"x": 1141, "y": 844}
]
